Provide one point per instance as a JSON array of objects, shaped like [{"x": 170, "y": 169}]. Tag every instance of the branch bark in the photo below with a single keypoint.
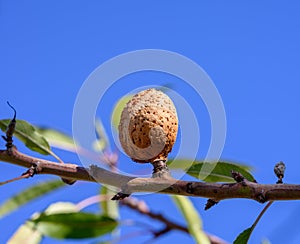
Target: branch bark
[{"x": 217, "y": 191}]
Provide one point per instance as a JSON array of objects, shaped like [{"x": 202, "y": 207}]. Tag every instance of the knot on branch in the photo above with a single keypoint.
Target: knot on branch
[
  {"x": 120, "y": 196},
  {"x": 261, "y": 197},
  {"x": 238, "y": 177},
  {"x": 279, "y": 170},
  {"x": 160, "y": 169},
  {"x": 210, "y": 203}
]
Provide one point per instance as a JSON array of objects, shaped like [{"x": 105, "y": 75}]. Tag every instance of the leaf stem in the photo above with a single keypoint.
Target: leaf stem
[{"x": 261, "y": 214}]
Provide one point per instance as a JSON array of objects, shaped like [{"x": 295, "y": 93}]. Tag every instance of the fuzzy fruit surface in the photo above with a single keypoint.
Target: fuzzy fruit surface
[{"x": 148, "y": 126}]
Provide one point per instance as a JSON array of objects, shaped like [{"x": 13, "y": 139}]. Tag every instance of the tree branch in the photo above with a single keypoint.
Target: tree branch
[
  {"x": 216, "y": 191},
  {"x": 142, "y": 208}
]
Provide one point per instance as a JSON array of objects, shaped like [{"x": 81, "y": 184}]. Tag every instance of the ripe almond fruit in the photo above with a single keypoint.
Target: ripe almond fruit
[{"x": 148, "y": 126}]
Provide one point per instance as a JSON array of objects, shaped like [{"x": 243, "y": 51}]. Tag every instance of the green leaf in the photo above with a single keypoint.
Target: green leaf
[
  {"x": 221, "y": 170},
  {"x": 74, "y": 225},
  {"x": 102, "y": 141},
  {"x": 26, "y": 234},
  {"x": 61, "y": 207},
  {"x": 28, "y": 195},
  {"x": 116, "y": 114},
  {"x": 192, "y": 218},
  {"x": 110, "y": 208},
  {"x": 57, "y": 138},
  {"x": 62, "y": 141},
  {"x": 27, "y": 133},
  {"x": 243, "y": 237}
]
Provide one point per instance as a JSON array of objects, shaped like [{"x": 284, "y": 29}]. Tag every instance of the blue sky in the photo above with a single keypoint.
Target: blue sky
[{"x": 250, "y": 49}]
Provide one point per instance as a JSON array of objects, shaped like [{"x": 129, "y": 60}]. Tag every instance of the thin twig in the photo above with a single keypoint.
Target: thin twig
[
  {"x": 29, "y": 173},
  {"x": 25, "y": 176},
  {"x": 142, "y": 208}
]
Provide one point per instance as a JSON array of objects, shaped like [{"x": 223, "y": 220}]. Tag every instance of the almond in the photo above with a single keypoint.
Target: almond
[{"x": 148, "y": 126}]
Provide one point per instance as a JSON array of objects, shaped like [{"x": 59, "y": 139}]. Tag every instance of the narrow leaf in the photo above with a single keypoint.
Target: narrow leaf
[
  {"x": 116, "y": 115},
  {"x": 61, "y": 207},
  {"x": 26, "y": 133},
  {"x": 74, "y": 225},
  {"x": 221, "y": 171},
  {"x": 62, "y": 141},
  {"x": 57, "y": 138},
  {"x": 28, "y": 195},
  {"x": 102, "y": 141},
  {"x": 110, "y": 208},
  {"x": 243, "y": 237},
  {"x": 26, "y": 234},
  {"x": 192, "y": 218}
]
